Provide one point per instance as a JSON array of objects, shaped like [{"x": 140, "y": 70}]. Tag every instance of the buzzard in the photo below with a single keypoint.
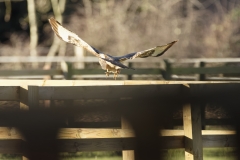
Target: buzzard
[{"x": 109, "y": 63}]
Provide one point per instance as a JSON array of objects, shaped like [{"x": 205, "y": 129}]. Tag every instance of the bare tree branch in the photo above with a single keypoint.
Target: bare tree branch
[
  {"x": 33, "y": 28},
  {"x": 8, "y": 10},
  {"x": 57, "y": 45}
]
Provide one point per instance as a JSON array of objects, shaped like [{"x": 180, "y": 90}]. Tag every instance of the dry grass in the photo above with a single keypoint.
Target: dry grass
[{"x": 117, "y": 27}]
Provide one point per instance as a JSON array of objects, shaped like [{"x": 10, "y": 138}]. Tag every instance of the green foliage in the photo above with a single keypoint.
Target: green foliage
[
  {"x": 208, "y": 154},
  {"x": 90, "y": 154},
  {"x": 171, "y": 154},
  {"x": 235, "y": 14},
  {"x": 10, "y": 157},
  {"x": 94, "y": 158}
]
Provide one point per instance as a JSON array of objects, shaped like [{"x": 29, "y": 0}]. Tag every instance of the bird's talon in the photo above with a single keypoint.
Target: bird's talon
[{"x": 107, "y": 74}]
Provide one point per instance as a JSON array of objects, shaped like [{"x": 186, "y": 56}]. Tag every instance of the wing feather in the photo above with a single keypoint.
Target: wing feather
[
  {"x": 152, "y": 52},
  {"x": 71, "y": 37}
]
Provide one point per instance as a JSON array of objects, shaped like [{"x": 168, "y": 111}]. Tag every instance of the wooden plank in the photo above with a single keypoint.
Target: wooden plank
[
  {"x": 204, "y": 89},
  {"x": 127, "y": 155},
  {"x": 82, "y": 133},
  {"x": 107, "y": 92},
  {"x": 87, "y": 71},
  {"x": 187, "y": 125},
  {"x": 117, "y": 144},
  {"x": 217, "y": 91},
  {"x": 153, "y": 71},
  {"x": 145, "y": 82},
  {"x": 210, "y": 141},
  {"x": 9, "y": 133},
  {"x": 9, "y": 93},
  {"x": 192, "y": 132},
  {"x": 33, "y": 96},
  {"x": 4, "y": 82},
  {"x": 148, "y": 71},
  {"x": 223, "y": 78},
  {"x": 218, "y": 132},
  {"x": 206, "y": 60},
  {"x": 24, "y": 158},
  {"x": 209, "y": 122},
  {"x": 140, "y": 71},
  {"x": 206, "y": 70},
  {"x": 23, "y": 91},
  {"x": 97, "y": 116},
  {"x": 11, "y": 146},
  {"x": 166, "y": 132},
  {"x": 114, "y": 144},
  {"x": 30, "y": 72},
  {"x": 197, "y": 132}
]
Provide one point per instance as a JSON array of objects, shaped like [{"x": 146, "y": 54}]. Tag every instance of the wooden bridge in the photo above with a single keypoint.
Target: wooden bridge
[{"x": 135, "y": 117}]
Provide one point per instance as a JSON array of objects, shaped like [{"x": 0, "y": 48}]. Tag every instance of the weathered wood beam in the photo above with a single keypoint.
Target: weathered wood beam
[
  {"x": 107, "y": 92},
  {"x": 30, "y": 72},
  {"x": 206, "y": 70},
  {"x": 83, "y": 133},
  {"x": 192, "y": 132},
  {"x": 33, "y": 96},
  {"x": 117, "y": 144},
  {"x": 127, "y": 155},
  {"x": 9, "y": 93},
  {"x": 4, "y": 82}
]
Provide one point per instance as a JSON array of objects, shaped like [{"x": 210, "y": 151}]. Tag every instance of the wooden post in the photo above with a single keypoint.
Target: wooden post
[
  {"x": 203, "y": 118},
  {"x": 127, "y": 155},
  {"x": 129, "y": 77},
  {"x": 23, "y": 104},
  {"x": 80, "y": 53},
  {"x": 167, "y": 74},
  {"x": 24, "y": 158},
  {"x": 33, "y": 100},
  {"x": 23, "y": 94},
  {"x": 66, "y": 70},
  {"x": 193, "y": 133},
  {"x": 70, "y": 71},
  {"x": 200, "y": 77},
  {"x": 70, "y": 120}
]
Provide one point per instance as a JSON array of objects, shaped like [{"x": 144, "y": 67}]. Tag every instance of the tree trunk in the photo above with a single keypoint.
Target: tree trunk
[{"x": 33, "y": 29}]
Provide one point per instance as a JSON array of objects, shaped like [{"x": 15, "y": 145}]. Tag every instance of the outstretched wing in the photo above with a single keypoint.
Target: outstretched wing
[
  {"x": 153, "y": 52},
  {"x": 71, "y": 37}
]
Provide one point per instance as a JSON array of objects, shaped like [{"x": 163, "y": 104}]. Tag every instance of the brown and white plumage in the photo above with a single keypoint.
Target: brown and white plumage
[{"x": 109, "y": 63}]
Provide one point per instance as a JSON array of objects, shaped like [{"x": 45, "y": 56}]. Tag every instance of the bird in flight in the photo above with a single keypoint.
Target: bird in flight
[{"x": 109, "y": 63}]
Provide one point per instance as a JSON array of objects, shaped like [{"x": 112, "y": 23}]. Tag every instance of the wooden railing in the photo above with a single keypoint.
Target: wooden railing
[
  {"x": 140, "y": 102},
  {"x": 169, "y": 69}
]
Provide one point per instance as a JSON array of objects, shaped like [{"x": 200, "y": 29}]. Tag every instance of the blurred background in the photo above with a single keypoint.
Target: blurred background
[{"x": 204, "y": 28}]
